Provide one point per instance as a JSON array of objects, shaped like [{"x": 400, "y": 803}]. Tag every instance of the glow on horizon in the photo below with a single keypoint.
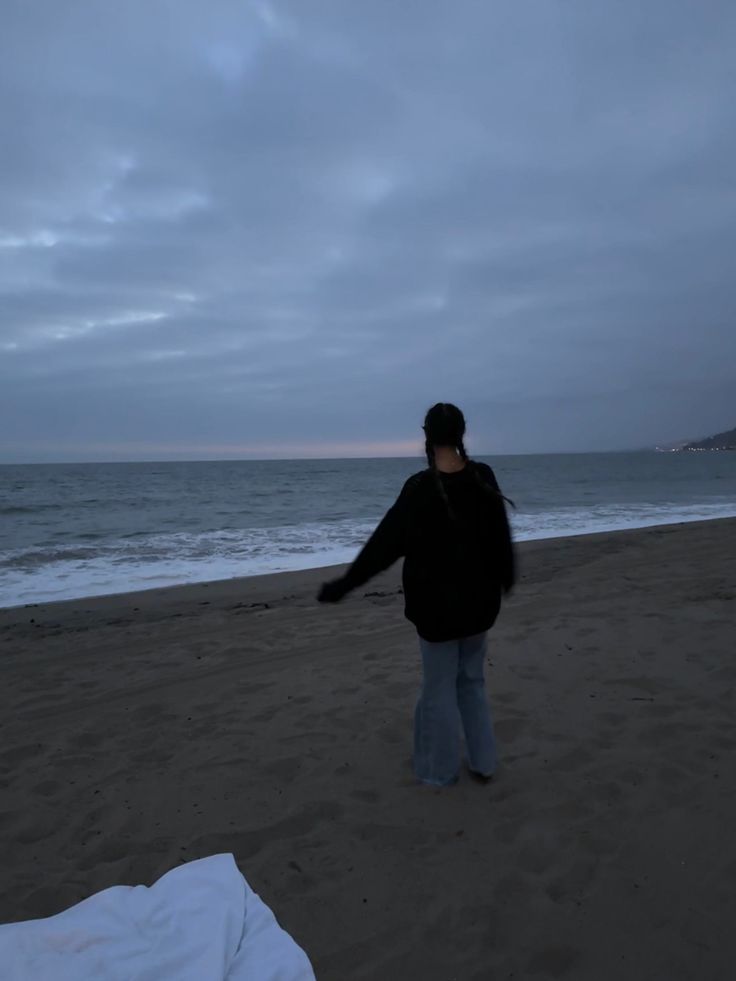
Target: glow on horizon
[
  {"x": 151, "y": 452},
  {"x": 298, "y": 451}
]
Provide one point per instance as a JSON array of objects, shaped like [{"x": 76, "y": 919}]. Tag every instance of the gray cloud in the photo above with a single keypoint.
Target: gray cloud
[{"x": 233, "y": 228}]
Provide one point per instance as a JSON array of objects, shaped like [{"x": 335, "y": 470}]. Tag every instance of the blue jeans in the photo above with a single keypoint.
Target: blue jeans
[{"x": 453, "y": 689}]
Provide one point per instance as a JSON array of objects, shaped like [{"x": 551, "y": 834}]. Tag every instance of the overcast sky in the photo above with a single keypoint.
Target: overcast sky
[{"x": 283, "y": 228}]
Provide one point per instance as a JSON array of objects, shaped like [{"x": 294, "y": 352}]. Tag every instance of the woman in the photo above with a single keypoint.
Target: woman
[{"x": 450, "y": 524}]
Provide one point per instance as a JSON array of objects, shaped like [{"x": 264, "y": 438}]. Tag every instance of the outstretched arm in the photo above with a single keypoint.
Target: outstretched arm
[{"x": 386, "y": 545}]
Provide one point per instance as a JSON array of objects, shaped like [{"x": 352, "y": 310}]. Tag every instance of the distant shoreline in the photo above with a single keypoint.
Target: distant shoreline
[{"x": 703, "y": 449}]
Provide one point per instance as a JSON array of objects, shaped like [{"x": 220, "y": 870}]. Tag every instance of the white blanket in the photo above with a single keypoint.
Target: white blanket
[{"x": 200, "y": 922}]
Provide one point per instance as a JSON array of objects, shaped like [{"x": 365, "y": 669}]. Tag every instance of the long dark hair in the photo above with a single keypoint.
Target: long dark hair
[{"x": 444, "y": 425}]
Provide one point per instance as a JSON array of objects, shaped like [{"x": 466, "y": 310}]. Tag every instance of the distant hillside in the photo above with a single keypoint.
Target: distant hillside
[
  {"x": 722, "y": 441},
  {"x": 672, "y": 447}
]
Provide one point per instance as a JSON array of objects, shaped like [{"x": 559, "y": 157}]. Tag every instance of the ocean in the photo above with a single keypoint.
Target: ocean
[{"x": 78, "y": 530}]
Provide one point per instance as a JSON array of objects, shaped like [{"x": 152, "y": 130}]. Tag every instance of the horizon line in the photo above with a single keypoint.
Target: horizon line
[{"x": 305, "y": 459}]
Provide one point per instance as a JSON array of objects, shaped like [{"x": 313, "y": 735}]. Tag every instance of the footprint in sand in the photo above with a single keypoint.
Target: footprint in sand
[
  {"x": 573, "y": 882},
  {"x": 509, "y": 729},
  {"x": 47, "y": 788},
  {"x": 367, "y": 796},
  {"x": 553, "y": 962},
  {"x": 20, "y": 754}
]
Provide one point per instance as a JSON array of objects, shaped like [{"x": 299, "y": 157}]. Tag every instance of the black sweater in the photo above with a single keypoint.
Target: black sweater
[{"x": 457, "y": 549}]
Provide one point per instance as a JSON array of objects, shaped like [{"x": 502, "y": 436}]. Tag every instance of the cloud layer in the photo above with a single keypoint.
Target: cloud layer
[{"x": 276, "y": 227}]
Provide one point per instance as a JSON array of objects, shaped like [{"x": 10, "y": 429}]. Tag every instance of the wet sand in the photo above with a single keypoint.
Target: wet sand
[{"x": 140, "y": 731}]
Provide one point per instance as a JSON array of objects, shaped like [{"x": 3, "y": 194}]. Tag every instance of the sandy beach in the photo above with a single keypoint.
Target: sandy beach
[{"x": 148, "y": 729}]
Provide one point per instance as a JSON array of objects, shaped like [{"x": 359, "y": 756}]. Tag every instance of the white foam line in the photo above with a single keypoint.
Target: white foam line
[{"x": 44, "y": 586}]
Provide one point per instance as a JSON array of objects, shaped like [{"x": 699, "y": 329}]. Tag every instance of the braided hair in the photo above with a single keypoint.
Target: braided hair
[{"x": 444, "y": 425}]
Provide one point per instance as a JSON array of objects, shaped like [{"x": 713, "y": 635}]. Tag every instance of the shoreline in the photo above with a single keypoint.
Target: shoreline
[{"x": 260, "y": 580}]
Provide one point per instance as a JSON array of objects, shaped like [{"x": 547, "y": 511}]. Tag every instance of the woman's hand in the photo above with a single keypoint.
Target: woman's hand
[{"x": 332, "y": 592}]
